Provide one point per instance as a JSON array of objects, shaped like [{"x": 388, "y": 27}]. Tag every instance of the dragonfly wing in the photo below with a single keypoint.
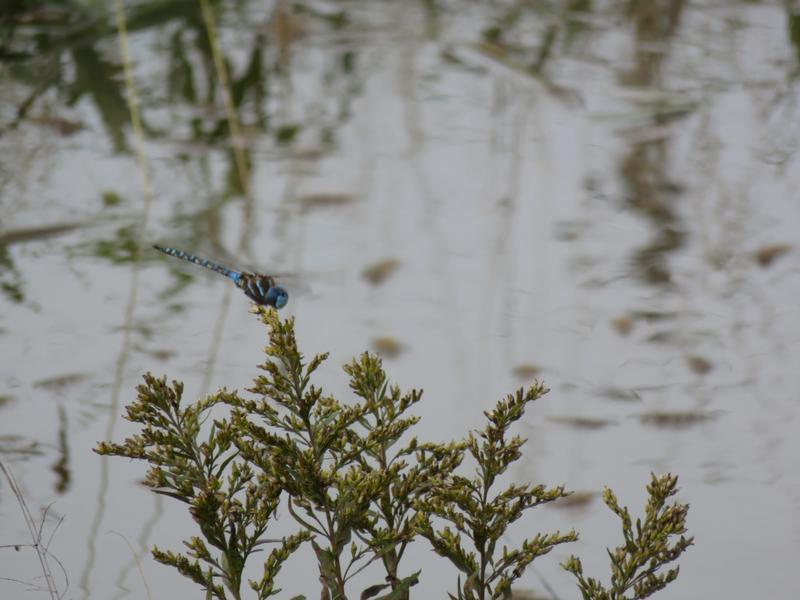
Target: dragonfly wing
[{"x": 294, "y": 283}]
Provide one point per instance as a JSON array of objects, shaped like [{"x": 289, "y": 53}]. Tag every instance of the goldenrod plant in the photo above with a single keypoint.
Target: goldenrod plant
[
  {"x": 636, "y": 564},
  {"x": 358, "y": 485},
  {"x": 482, "y": 515}
]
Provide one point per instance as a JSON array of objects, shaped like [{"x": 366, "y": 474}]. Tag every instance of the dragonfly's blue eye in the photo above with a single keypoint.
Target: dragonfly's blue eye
[{"x": 277, "y": 297}]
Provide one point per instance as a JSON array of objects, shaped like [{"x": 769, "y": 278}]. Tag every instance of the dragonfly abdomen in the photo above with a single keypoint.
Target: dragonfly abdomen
[{"x": 234, "y": 275}]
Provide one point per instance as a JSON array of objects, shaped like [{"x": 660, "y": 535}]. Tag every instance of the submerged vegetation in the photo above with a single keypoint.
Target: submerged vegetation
[{"x": 361, "y": 488}]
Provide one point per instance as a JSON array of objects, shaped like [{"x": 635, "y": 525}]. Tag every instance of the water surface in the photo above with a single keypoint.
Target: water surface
[{"x": 602, "y": 195}]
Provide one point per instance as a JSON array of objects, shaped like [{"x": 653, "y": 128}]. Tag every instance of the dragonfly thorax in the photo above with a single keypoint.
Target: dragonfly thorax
[{"x": 261, "y": 289}]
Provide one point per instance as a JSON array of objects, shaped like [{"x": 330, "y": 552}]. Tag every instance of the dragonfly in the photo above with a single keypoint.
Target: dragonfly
[{"x": 261, "y": 289}]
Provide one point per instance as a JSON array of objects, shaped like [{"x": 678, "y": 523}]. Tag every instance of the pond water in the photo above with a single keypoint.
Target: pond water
[{"x": 602, "y": 195}]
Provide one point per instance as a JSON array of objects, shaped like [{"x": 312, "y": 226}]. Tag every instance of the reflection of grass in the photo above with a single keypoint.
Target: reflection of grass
[
  {"x": 62, "y": 465},
  {"x": 5, "y": 258},
  {"x": 11, "y": 289},
  {"x": 619, "y": 393},
  {"x": 16, "y": 445},
  {"x": 182, "y": 280},
  {"x": 64, "y": 53},
  {"x": 123, "y": 249},
  {"x": 286, "y": 134}
]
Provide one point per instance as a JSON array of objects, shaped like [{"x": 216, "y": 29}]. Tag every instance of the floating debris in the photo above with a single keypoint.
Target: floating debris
[
  {"x": 590, "y": 423},
  {"x": 653, "y": 316},
  {"x": 160, "y": 355},
  {"x": 618, "y": 393},
  {"x": 315, "y": 201},
  {"x": 526, "y": 371},
  {"x": 675, "y": 419},
  {"x": 698, "y": 364},
  {"x": 623, "y": 324},
  {"x": 379, "y": 272},
  {"x": 111, "y": 199},
  {"x": 665, "y": 337},
  {"x": 63, "y": 127},
  {"x": 768, "y": 254},
  {"x": 387, "y": 346}
]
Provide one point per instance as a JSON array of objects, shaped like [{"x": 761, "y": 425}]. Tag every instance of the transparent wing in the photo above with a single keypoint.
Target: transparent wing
[{"x": 298, "y": 283}]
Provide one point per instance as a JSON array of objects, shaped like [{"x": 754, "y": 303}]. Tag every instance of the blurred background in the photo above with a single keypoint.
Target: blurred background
[{"x": 601, "y": 194}]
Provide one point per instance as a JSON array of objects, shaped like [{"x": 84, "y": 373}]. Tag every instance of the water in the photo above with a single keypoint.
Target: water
[{"x": 603, "y": 196}]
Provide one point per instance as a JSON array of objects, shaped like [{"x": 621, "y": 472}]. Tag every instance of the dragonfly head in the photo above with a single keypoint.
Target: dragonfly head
[{"x": 277, "y": 297}]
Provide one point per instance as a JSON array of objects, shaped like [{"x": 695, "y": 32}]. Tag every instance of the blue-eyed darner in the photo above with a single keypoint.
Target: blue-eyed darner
[{"x": 261, "y": 289}]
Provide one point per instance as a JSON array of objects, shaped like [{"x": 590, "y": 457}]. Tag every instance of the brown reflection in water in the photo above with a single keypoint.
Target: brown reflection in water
[
  {"x": 60, "y": 125},
  {"x": 655, "y": 23},
  {"x": 766, "y": 255},
  {"x": 676, "y": 419},
  {"x": 526, "y": 371},
  {"x": 380, "y": 271},
  {"x": 588, "y": 423},
  {"x": 286, "y": 28},
  {"x": 576, "y": 500},
  {"x": 649, "y": 191},
  {"x": 59, "y": 383},
  {"x": 699, "y": 364}
]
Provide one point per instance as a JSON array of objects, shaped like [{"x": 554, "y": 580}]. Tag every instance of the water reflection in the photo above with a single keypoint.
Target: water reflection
[
  {"x": 651, "y": 191},
  {"x": 456, "y": 165},
  {"x": 62, "y": 467}
]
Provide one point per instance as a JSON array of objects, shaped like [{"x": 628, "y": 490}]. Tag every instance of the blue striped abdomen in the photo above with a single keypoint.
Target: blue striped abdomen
[{"x": 234, "y": 275}]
